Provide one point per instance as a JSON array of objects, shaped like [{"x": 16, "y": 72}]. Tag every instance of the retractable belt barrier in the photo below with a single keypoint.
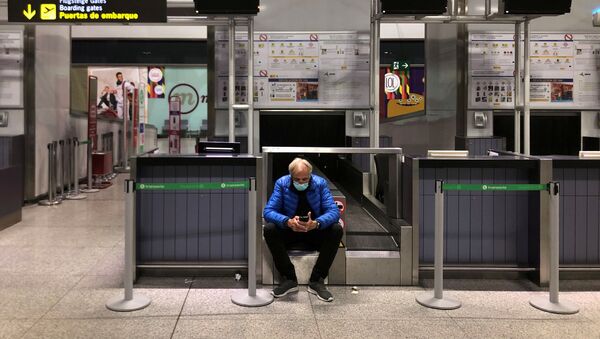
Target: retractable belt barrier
[
  {"x": 437, "y": 300},
  {"x": 130, "y": 303},
  {"x": 75, "y": 194},
  {"x": 53, "y": 199},
  {"x": 89, "y": 188}
]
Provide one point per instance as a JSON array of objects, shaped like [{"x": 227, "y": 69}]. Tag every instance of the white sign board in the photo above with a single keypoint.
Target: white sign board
[
  {"x": 11, "y": 69},
  {"x": 298, "y": 70},
  {"x": 565, "y": 70}
]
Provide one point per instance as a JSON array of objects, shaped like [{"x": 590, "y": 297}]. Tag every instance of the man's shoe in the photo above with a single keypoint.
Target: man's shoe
[
  {"x": 285, "y": 287},
  {"x": 318, "y": 288}
]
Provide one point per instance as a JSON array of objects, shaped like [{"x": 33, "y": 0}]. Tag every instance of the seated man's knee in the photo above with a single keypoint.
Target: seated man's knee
[
  {"x": 337, "y": 231},
  {"x": 269, "y": 230}
]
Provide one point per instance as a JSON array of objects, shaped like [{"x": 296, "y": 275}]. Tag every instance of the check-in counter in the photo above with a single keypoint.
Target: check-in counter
[
  {"x": 11, "y": 179},
  {"x": 192, "y": 228},
  {"x": 483, "y": 230}
]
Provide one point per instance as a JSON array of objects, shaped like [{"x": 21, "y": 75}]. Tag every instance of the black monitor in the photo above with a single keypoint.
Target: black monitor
[
  {"x": 211, "y": 147},
  {"x": 535, "y": 7},
  {"x": 226, "y": 7},
  {"x": 414, "y": 7}
]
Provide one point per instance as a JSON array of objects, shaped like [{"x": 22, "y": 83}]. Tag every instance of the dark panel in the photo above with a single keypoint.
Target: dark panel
[
  {"x": 464, "y": 229},
  {"x": 181, "y": 215},
  {"x": 500, "y": 218},
  {"x": 428, "y": 225},
  {"x": 569, "y": 239},
  {"x": 451, "y": 228},
  {"x": 523, "y": 228},
  {"x": 544, "y": 129},
  {"x": 411, "y": 51},
  {"x": 158, "y": 221},
  {"x": 593, "y": 223},
  {"x": 143, "y": 52},
  {"x": 581, "y": 231},
  {"x": 324, "y": 130},
  {"x": 169, "y": 216},
  {"x": 487, "y": 230}
]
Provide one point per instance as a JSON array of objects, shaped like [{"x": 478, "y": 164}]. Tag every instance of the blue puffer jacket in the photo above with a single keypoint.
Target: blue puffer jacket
[{"x": 284, "y": 201}]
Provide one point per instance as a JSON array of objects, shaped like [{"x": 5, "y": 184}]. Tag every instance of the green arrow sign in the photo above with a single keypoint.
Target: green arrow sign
[
  {"x": 495, "y": 187},
  {"x": 192, "y": 186},
  {"x": 400, "y": 65}
]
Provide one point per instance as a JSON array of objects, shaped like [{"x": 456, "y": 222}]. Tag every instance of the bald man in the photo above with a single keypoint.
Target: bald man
[{"x": 301, "y": 210}]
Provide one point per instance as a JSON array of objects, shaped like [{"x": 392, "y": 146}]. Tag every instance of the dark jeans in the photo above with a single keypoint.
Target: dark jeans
[{"x": 326, "y": 241}]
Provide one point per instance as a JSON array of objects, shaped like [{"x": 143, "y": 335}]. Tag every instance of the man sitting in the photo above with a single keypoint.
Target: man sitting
[{"x": 301, "y": 210}]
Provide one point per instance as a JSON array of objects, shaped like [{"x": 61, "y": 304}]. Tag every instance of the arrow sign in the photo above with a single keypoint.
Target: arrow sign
[
  {"x": 405, "y": 65},
  {"x": 29, "y": 13}
]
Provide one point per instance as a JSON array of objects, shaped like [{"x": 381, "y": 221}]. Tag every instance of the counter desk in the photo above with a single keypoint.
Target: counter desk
[
  {"x": 505, "y": 231},
  {"x": 483, "y": 230},
  {"x": 192, "y": 228}
]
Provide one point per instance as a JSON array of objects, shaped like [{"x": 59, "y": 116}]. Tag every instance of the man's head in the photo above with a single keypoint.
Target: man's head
[{"x": 300, "y": 170}]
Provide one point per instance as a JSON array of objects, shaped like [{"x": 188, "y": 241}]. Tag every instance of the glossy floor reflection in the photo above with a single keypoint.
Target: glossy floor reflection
[{"x": 60, "y": 265}]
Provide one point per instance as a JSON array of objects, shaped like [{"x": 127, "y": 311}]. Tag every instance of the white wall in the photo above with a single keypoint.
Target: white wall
[
  {"x": 402, "y": 31},
  {"x": 579, "y": 20},
  {"x": 589, "y": 124},
  {"x": 16, "y": 122},
  {"x": 318, "y": 15},
  {"x": 16, "y": 117},
  {"x": 139, "y": 32},
  {"x": 52, "y": 67}
]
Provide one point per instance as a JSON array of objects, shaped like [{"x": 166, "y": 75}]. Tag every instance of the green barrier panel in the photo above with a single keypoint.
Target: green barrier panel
[
  {"x": 495, "y": 187},
  {"x": 192, "y": 186},
  {"x": 85, "y": 142}
]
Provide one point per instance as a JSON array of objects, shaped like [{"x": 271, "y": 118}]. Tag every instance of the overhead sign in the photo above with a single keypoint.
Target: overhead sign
[{"x": 87, "y": 11}]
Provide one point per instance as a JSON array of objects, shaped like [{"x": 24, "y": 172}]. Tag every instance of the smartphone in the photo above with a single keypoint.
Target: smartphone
[{"x": 304, "y": 218}]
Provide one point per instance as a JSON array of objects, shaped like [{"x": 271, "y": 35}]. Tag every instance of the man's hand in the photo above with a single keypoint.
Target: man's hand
[
  {"x": 296, "y": 225},
  {"x": 308, "y": 225}
]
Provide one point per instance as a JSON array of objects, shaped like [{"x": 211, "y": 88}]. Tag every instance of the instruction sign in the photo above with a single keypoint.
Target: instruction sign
[
  {"x": 87, "y": 11},
  {"x": 297, "y": 69},
  {"x": 565, "y": 70}
]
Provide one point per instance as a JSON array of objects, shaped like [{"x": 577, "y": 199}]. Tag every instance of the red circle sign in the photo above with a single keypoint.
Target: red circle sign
[
  {"x": 263, "y": 73},
  {"x": 263, "y": 37},
  {"x": 569, "y": 37},
  {"x": 314, "y": 37},
  {"x": 340, "y": 206}
]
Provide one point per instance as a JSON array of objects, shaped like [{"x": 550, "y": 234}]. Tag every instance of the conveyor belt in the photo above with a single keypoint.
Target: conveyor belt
[{"x": 371, "y": 235}]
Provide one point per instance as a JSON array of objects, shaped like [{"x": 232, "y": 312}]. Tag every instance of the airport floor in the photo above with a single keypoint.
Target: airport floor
[{"x": 60, "y": 265}]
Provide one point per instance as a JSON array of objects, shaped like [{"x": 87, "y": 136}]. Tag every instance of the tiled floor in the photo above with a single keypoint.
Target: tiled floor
[{"x": 61, "y": 264}]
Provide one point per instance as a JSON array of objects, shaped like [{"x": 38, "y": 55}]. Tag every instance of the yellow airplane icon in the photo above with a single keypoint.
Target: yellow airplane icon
[{"x": 48, "y": 11}]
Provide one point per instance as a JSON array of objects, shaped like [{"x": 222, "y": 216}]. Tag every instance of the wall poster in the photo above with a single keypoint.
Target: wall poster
[
  {"x": 565, "y": 70},
  {"x": 321, "y": 69}
]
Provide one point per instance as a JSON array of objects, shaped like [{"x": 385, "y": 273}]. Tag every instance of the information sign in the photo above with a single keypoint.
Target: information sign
[{"x": 87, "y": 11}]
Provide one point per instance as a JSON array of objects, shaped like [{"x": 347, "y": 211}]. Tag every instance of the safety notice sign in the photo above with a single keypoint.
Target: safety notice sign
[{"x": 87, "y": 11}]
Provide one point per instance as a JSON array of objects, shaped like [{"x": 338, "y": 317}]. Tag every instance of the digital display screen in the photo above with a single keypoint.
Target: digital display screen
[
  {"x": 87, "y": 11},
  {"x": 209, "y": 7}
]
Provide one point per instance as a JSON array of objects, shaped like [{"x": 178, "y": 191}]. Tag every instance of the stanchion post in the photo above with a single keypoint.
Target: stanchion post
[
  {"x": 553, "y": 305},
  {"x": 252, "y": 297},
  {"x": 75, "y": 195},
  {"x": 437, "y": 300},
  {"x": 61, "y": 143},
  {"x": 51, "y": 201},
  {"x": 128, "y": 302},
  {"x": 89, "y": 188}
]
